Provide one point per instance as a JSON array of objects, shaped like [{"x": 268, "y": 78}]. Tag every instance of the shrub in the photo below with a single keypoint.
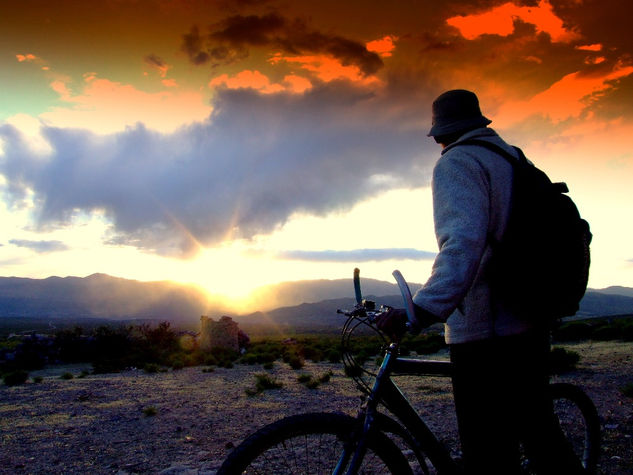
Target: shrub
[
  {"x": 15, "y": 377},
  {"x": 177, "y": 364},
  {"x": 627, "y": 390},
  {"x": 295, "y": 361},
  {"x": 325, "y": 377},
  {"x": 304, "y": 378},
  {"x": 151, "y": 368},
  {"x": 106, "y": 366},
  {"x": 268, "y": 365},
  {"x": 562, "y": 360},
  {"x": 150, "y": 411},
  {"x": 66, "y": 376},
  {"x": 264, "y": 381},
  {"x": 38, "y": 379},
  {"x": 333, "y": 356},
  {"x": 249, "y": 359}
]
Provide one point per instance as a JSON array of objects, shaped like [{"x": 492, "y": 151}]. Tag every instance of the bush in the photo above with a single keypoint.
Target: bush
[
  {"x": 562, "y": 360},
  {"x": 177, "y": 364},
  {"x": 249, "y": 359},
  {"x": 573, "y": 331},
  {"x": 325, "y": 377},
  {"x": 150, "y": 411},
  {"x": 304, "y": 378},
  {"x": 38, "y": 379},
  {"x": 151, "y": 368},
  {"x": 627, "y": 390},
  {"x": 263, "y": 381},
  {"x": 15, "y": 378},
  {"x": 66, "y": 376},
  {"x": 106, "y": 366},
  {"x": 333, "y": 356}
]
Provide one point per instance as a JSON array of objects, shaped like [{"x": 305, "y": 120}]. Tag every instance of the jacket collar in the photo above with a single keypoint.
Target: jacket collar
[{"x": 483, "y": 132}]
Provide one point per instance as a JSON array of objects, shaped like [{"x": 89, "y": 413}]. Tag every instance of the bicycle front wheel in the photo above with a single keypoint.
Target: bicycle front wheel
[
  {"x": 579, "y": 421},
  {"x": 310, "y": 444}
]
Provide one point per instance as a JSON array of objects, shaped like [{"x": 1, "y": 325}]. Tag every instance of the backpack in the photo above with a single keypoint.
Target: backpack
[{"x": 540, "y": 267}]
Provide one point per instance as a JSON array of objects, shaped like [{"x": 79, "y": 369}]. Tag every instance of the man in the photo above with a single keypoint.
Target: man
[{"x": 500, "y": 358}]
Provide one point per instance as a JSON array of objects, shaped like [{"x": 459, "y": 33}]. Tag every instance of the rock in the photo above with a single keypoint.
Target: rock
[{"x": 223, "y": 333}]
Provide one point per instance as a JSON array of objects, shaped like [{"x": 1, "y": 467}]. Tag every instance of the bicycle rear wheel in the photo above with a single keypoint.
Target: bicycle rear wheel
[
  {"x": 310, "y": 444},
  {"x": 579, "y": 421}
]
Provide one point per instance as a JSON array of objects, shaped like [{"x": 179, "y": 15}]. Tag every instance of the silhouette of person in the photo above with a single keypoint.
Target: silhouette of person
[{"x": 500, "y": 359}]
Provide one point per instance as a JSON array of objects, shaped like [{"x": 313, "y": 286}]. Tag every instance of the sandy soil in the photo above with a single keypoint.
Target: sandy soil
[{"x": 98, "y": 424}]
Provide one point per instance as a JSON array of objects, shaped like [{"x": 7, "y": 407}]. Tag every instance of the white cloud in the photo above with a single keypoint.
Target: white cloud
[{"x": 259, "y": 160}]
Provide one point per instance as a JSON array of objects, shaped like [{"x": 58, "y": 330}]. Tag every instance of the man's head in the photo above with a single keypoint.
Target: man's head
[{"x": 455, "y": 113}]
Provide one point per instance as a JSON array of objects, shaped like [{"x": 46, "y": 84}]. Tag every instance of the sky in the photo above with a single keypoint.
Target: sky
[{"x": 235, "y": 144}]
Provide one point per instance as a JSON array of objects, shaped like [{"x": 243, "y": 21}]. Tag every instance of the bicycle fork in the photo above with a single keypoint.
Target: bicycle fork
[{"x": 356, "y": 448}]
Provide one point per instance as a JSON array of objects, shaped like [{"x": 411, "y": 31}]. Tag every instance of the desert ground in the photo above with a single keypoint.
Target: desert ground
[{"x": 186, "y": 421}]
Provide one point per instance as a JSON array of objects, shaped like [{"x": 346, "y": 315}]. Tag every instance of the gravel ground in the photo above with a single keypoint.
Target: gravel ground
[{"x": 103, "y": 424}]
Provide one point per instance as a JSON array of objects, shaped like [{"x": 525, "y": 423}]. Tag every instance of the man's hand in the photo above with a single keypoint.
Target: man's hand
[{"x": 394, "y": 321}]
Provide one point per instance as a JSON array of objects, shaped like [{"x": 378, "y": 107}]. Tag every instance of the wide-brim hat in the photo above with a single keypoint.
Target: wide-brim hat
[{"x": 454, "y": 111}]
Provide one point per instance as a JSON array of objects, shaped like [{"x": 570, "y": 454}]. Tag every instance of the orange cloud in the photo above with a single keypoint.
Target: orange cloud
[
  {"x": 327, "y": 68},
  {"x": 297, "y": 84},
  {"x": 247, "y": 80},
  {"x": 169, "y": 83},
  {"x": 594, "y": 47},
  {"x": 25, "y": 57},
  {"x": 105, "y": 106},
  {"x": 256, "y": 80},
  {"x": 500, "y": 21},
  {"x": 384, "y": 46},
  {"x": 566, "y": 99}
]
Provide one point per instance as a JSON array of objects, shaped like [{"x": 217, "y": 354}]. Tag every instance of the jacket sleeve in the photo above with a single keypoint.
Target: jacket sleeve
[{"x": 461, "y": 212}]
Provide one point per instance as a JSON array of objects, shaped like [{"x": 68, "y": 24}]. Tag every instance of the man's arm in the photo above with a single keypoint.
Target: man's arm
[{"x": 461, "y": 207}]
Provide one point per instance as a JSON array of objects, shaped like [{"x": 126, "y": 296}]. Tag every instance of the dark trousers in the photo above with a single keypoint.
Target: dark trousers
[{"x": 501, "y": 399}]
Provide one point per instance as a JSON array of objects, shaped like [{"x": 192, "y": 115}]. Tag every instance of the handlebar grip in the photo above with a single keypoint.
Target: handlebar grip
[
  {"x": 408, "y": 300},
  {"x": 359, "y": 296}
]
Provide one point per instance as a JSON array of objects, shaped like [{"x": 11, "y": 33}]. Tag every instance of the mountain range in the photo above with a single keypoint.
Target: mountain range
[{"x": 302, "y": 304}]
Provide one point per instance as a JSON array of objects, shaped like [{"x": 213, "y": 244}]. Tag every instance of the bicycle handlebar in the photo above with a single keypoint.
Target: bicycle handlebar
[
  {"x": 367, "y": 308},
  {"x": 412, "y": 324},
  {"x": 357, "y": 293}
]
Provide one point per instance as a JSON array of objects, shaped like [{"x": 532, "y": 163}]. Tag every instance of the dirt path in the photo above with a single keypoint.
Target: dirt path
[{"x": 98, "y": 424}]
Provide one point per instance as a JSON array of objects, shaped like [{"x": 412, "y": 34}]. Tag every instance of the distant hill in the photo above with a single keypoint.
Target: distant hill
[
  {"x": 305, "y": 304},
  {"x": 99, "y": 296},
  {"x": 311, "y": 291},
  {"x": 616, "y": 290}
]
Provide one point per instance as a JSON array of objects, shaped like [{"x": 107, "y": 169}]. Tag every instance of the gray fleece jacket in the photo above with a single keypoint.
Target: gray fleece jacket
[{"x": 471, "y": 200}]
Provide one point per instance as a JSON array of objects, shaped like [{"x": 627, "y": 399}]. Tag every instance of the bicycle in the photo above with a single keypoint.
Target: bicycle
[{"x": 374, "y": 442}]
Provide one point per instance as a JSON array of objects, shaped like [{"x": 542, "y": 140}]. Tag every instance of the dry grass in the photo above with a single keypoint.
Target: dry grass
[{"x": 96, "y": 424}]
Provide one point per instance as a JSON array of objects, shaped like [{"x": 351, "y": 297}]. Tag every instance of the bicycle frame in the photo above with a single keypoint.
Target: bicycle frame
[{"x": 386, "y": 391}]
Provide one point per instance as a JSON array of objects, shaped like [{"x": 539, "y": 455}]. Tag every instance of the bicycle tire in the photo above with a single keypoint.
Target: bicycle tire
[
  {"x": 310, "y": 443},
  {"x": 579, "y": 421}
]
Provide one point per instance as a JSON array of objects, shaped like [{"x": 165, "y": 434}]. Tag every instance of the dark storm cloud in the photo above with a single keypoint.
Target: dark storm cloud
[
  {"x": 606, "y": 22},
  {"x": 231, "y": 39},
  {"x": 358, "y": 255},
  {"x": 42, "y": 247},
  {"x": 155, "y": 61},
  {"x": 255, "y": 162}
]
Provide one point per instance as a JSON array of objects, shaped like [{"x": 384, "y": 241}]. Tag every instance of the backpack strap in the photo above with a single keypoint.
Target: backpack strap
[
  {"x": 521, "y": 160},
  {"x": 498, "y": 150}
]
